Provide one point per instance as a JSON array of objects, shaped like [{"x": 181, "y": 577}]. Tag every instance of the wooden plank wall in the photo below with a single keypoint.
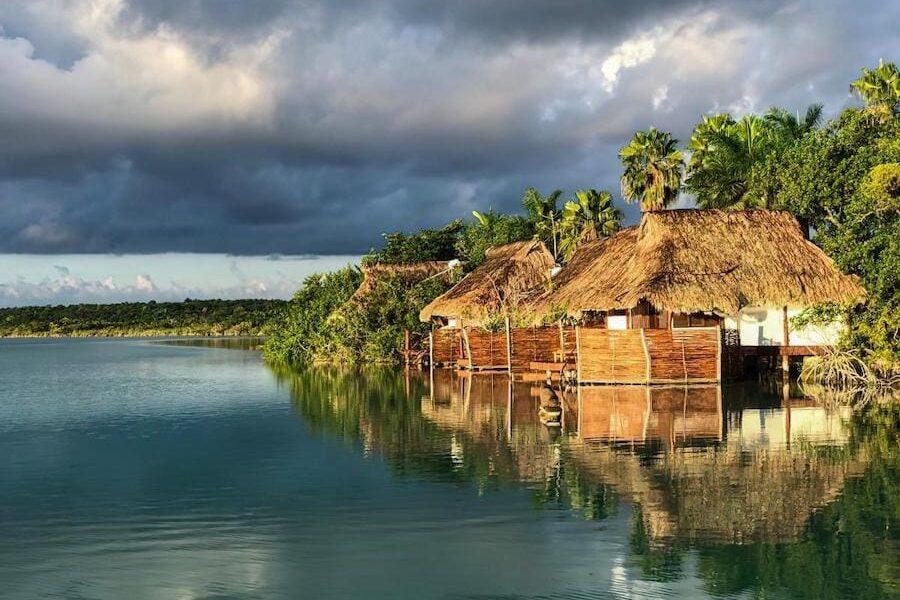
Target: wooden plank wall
[
  {"x": 611, "y": 356},
  {"x": 487, "y": 350},
  {"x": 533, "y": 344},
  {"x": 446, "y": 350}
]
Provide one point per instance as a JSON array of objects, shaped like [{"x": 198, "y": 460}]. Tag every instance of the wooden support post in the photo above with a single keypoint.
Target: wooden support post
[
  {"x": 719, "y": 335},
  {"x": 578, "y": 356},
  {"x": 468, "y": 348},
  {"x": 508, "y": 349},
  {"x": 431, "y": 348},
  {"x": 646, "y": 354},
  {"x": 406, "y": 349},
  {"x": 785, "y": 358}
]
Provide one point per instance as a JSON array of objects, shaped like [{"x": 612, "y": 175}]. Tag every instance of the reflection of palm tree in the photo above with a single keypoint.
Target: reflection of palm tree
[{"x": 653, "y": 166}]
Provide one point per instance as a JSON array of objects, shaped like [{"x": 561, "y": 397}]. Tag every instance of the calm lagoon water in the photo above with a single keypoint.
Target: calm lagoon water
[{"x": 134, "y": 469}]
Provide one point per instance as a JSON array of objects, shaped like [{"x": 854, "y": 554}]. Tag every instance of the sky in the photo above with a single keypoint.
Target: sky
[
  {"x": 38, "y": 279},
  {"x": 304, "y": 127}
]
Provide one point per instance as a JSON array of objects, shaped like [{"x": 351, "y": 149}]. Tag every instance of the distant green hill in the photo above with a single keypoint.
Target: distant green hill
[{"x": 191, "y": 317}]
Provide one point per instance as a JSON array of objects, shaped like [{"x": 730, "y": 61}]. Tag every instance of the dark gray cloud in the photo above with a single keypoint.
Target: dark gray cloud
[{"x": 283, "y": 126}]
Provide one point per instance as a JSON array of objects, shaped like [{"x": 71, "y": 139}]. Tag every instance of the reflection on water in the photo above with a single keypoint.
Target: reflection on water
[
  {"x": 141, "y": 470},
  {"x": 768, "y": 492},
  {"x": 228, "y": 343}
]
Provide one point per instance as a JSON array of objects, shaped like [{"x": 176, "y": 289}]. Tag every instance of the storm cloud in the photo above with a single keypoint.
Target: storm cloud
[{"x": 280, "y": 126}]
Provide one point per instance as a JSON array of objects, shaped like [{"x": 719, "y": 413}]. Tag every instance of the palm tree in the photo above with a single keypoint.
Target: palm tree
[
  {"x": 724, "y": 154},
  {"x": 545, "y": 214},
  {"x": 589, "y": 216},
  {"x": 788, "y": 127},
  {"x": 880, "y": 87},
  {"x": 705, "y": 132},
  {"x": 653, "y": 166}
]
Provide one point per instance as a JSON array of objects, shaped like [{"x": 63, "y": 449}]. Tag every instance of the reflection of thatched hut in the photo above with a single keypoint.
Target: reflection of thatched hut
[
  {"x": 696, "y": 267},
  {"x": 508, "y": 273},
  {"x": 409, "y": 273}
]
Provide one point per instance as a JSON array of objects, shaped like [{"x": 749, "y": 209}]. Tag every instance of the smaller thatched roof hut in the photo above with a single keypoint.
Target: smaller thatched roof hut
[
  {"x": 508, "y": 273},
  {"x": 692, "y": 261},
  {"x": 409, "y": 272}
]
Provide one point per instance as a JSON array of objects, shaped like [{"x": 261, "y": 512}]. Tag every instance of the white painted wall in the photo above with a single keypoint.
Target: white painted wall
[
  {"x": 765, "y": 327},
  {"x": 617, "y": 322}
]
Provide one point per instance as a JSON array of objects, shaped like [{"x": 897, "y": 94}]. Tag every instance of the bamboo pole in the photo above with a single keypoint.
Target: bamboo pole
[
  {"x": 468, "y": 348},
  {"x": 785, "y": 359},
  {"x": 406, "y": 346},
  {"x": 646, "y": 353},
  {"x": 719, "y": 355},
  {"x": 578, "y": 356},
  {"x": 508, "y": 350}
]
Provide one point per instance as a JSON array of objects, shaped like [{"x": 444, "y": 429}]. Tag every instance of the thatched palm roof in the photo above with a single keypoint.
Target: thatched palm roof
[
  {"x": 409, "y": 272},
  {"x": 501, "y": 282},
  {"x": 701, "y": 261}
]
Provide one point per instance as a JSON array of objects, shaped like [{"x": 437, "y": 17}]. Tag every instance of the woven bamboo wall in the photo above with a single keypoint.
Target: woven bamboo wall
[
  {"x": 611, "y": 356},
  {"x": 446, "y": 349},
  {"x": 533, "y": 344},
  {"x": 487, "y": 350},
  {"x": 569, "y": 342},
  {"x": 683, "y": 354}
]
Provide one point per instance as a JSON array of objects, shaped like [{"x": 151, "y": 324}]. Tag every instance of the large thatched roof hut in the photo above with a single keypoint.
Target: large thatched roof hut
[
  {"x": 507, "y": 275},
  {"x": 691, "y": 261},
  {"x": 750, "y": 271}
]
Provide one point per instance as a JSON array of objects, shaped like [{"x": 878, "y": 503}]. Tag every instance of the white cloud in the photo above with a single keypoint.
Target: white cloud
[
  {"x": 144, "y": 283},
  {"x": 660, "y": 96},
  {"x": 134, "y": 83},
  {"x": 626, "y": 55}
]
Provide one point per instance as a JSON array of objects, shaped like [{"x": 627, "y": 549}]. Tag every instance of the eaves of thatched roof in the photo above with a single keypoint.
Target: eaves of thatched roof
[
  {"x": 701, "y": 261},
  {"x": 508, "y": 273}
]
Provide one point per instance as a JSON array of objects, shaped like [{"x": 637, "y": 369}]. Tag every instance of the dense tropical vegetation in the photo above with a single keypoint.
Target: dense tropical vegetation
[{"x": 191, "y": 317}]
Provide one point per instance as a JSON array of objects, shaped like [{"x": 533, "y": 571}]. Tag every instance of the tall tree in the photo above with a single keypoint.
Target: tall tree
[
  {"x": 879, "y": 87},
  {"x": 787, "y": 127},
  {"x": 653, "y": 167},
  {"x": 589, "y": 216},
  {"x": 544, "y": 212},
  {"x": 732, "y": 161}
]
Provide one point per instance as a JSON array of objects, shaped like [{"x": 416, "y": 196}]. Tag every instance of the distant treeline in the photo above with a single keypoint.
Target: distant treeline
[{"x": 191, "y": 317}]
